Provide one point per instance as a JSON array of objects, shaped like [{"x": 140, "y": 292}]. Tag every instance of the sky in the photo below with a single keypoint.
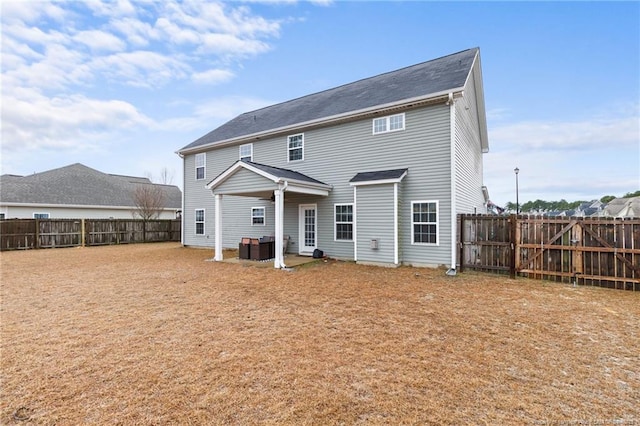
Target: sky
[{"x": 120, "y": 86}]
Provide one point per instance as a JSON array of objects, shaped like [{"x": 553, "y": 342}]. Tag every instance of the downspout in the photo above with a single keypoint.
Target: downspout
[{"x": 452, "y": 121}]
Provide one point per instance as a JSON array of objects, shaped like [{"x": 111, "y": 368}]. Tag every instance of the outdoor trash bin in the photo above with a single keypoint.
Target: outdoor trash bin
[
  {"x": 244, "y": 248},
  {"x": 260, "y": 250}
]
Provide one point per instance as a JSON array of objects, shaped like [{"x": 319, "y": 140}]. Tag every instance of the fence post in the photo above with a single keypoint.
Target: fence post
[
  {"x": 36, "y": 242},
  {"x": 461, "y": 260},
  {"x": 82, "y": 230},
  {"x": 577, "y": 242},
  {"x": 513, "y": 222}
]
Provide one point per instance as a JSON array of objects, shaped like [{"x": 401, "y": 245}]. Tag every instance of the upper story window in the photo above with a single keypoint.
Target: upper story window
[
  {"x": 201, "y": 159},
  {"x": 257, "y": 216},
  {"x": 296, "y": 147},
  {"x": 246, "y": 152},
  {"x": 344, "y": 222},
  {"x": 390, "y": 123},
  {"x": 424, "y": 222},
  {"x": 41, "y": 215}
]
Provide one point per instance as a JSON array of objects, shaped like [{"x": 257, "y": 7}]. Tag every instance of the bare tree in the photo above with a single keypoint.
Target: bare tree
[
  {"x": 149, "y": 201},
  {"x": 165, "y": 177}
]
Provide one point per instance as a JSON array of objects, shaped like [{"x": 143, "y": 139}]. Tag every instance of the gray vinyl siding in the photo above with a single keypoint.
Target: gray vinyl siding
[
  {"x": 375, "y": 220},
  {"x": 334, "y": 155},
  {"x": 245, "y": 181},
  {"x": 468, "y": 154},
  {"x": 236, "y": 219}
]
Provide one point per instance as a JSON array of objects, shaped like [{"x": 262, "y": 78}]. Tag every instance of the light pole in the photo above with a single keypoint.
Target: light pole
[{"x": 516, "y": 171}]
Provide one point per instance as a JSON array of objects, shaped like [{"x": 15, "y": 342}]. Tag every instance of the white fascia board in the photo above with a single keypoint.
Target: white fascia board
[
  {"x": 307, "y": 190},
  {"x": 379, "y": 182},
  {"x": 325, "y": 120},
  {"x": 476, "y": 73},
  {"x": 233, "y": 169},
  {"x": 302, "y": 183}
]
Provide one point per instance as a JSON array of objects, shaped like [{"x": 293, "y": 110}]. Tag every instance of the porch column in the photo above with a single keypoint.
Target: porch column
[
  {"x": 278, "y": 262},
  {"x": 218, "y": 227}
]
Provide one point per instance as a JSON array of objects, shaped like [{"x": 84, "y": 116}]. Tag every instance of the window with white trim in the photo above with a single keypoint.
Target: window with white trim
[
  {"x": 424, "y": 222},
  {"x": 200, "y": 222},
  {"x": 41, "y": 215},
  {"x": 246, "y": 152},
  {"x": 344, "y": 222},
  {"x": 296, "y": 147},
  {"x": 257, "y": 216},
  {"x": 391, "y": 123},
  {"x": 201, "y": 160}
]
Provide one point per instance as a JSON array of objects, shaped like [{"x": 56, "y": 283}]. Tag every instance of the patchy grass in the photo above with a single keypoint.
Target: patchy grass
[{"x": 154, "y": 334}]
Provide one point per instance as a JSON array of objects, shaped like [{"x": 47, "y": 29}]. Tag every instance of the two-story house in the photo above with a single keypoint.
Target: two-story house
[{"x": 373, "y": 171}]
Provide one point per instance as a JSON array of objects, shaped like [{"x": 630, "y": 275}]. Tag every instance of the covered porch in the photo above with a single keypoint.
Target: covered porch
[
  {"x": 248, "y": 179},
  {"x": 291, "y": 260}
]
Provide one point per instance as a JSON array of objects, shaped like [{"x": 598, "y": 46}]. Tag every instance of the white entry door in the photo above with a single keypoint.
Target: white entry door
[{"x": 307, "y": 221}]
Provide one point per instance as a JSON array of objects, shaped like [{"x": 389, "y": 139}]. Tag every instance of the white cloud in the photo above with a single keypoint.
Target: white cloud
[
  {"x": 215, "y": 76},
  {"x": 576, "y": 160},
  {"x": 33, "y": 121},
  {"x": 140, "y": 68},
  {"x": 207, "y": 116},
  {"x": 73, "y": 72},
  {"x": 569, "y": 135},
  {"x": 98, "y": 41},
  {"x": 117, "y": 8}
]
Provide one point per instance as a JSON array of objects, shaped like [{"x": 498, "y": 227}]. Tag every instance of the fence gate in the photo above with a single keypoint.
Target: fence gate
[{"x": 592, "y": 251}]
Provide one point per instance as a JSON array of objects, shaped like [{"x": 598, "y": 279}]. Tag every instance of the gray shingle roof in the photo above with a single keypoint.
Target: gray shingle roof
[
  {"x": 427, "y": 78},
  {"x": 78, "y": 184},
  {"x": 284, "y": 173},
  {"x": 378, "y": 175}
]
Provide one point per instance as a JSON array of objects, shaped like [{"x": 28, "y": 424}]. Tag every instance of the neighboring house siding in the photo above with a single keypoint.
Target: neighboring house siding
[
  {"x": 334, "y": 155},
  {"x": 375, "y": 221},
  {"x": 12, "y": 212},
  {"x": 468, "y": 154},
  {"x": 77, "y": 213}
]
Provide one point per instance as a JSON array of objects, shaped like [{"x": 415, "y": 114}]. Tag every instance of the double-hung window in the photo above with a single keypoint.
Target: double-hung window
[
  {"x": 246, "y": 152},
  {"x": 424, "y": 222},
  {"x": 391, "y": 123},
  {"x": 295, "y": 147},
  {"x": 257, "y": 216},
  {"x": 201, "y": 160},
  {"x": 199, "y": 222},
  {"x": 344, "y": 222}
]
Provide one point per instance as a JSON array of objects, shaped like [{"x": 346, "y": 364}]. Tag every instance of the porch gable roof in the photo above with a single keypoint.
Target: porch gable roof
[
  {"x": 378, "y": 177},
  {"x": 291, "y": 180}
]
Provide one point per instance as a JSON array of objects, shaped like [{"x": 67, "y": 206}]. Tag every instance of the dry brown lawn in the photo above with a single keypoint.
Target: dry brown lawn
[{"x": 154, "y": 334}]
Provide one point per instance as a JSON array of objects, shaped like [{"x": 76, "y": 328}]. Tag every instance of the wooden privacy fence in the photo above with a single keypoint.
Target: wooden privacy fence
[
  {"x": 16, "y": 234},
  {"x": 603, "y": 252}
]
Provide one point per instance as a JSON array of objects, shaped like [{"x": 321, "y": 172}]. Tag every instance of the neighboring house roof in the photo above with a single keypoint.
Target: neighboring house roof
[
  {"x": 419, "y": 82},
  {"x": 381, "y": 176},
  {"x": 79, "y": 185},
  {"x": 623, "y": 207}
]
